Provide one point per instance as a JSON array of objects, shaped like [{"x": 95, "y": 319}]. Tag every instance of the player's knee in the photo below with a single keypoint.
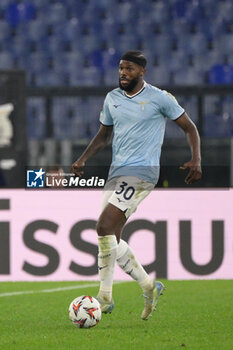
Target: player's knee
[{"x": 102, "y": 228}]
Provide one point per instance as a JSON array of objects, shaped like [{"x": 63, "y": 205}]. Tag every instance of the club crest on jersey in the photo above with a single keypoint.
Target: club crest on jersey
[{"x": 143, "y": 103}]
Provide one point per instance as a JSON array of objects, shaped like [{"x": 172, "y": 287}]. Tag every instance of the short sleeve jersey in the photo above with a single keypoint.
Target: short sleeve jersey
[{"x": 138, "y": 125}]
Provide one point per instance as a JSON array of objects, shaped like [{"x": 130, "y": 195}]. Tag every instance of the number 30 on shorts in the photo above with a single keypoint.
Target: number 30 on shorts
[{"x": 126, "y": 191}]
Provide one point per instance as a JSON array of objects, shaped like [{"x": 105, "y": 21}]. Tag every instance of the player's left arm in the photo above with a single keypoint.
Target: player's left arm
[{"x": 194, "y": 165}]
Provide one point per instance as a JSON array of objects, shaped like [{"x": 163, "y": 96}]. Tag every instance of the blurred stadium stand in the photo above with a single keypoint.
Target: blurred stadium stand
[
  {"x": 174, "y": 34},
  {"x": 79, "y": 42}
]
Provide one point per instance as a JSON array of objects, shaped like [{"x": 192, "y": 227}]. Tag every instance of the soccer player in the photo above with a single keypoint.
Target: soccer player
[{"x": 136, "y": 114}]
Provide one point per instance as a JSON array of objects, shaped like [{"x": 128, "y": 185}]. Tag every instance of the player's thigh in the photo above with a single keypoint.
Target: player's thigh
[
  {"x": 108, "y": 191},
  {"x": 129, "y": 193},
  {"x": 111, "y": 220}
]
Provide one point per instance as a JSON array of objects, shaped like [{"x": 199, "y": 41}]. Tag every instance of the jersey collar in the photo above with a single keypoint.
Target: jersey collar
[{"x": 137, "y": 93}]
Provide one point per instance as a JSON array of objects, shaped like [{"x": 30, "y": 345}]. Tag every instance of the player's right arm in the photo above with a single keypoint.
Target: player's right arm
[{"x": 97, "y": 143}]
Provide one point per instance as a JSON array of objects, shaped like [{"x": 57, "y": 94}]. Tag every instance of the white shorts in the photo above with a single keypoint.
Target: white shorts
[{"x": 126, "y": 193}]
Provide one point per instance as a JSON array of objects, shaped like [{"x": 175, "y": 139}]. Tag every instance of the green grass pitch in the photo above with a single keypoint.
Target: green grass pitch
[{"x": 190, "y": 315}]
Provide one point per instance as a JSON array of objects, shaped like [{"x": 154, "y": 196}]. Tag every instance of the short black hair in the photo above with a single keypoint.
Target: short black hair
[{"x": 135, "y": 56}]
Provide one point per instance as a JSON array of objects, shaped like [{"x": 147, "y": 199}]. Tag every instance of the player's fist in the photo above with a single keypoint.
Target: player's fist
[
  {"x": 77, "y": 167},
  {"x": 195, "y": 171}
]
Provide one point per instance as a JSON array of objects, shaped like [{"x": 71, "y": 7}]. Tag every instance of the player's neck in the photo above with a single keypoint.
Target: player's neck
[{"x": 137, "y": 89}]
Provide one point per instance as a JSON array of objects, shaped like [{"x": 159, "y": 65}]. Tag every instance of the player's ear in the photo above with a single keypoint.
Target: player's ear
[{"x": 143, "y": 71}]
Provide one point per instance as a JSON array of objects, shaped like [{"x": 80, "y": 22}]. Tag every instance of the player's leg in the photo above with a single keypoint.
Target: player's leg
[
  {"x": 127, "y": 260},
  {"x": 125, "y": 256},
  {"x": 128, "y": 200},
  {"x": 111, "y": 220}
]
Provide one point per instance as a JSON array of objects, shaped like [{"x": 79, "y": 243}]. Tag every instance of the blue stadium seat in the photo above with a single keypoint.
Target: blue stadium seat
[
  {"x": 22, "y": 61},
  {"x": 210, "y": 11},
  {"x": 110, "y": 29},
  {"x": 40, "y": 45},
  {"x": 85, "y": 76},
  {"x": 160, "y": 12},
  {"x": 76, "y": 45},
  {"x": 69, "y": 118},
  {"x": 158, "y": 44},
  {"x": 40, "y": 4},
  {"x": 93, "y": 14},
  {"x": 123, "y": 43},
  {"x": 198, "y": 44},
  {"x": 27, "y": 11},
  {"x": 214, "y": 57},
  {"x": 90, "y": 44},
  {"x": 126, "y": 12},
  {"x": 71, "y": 61},
  {"x": 72, "y": 29},
  {"x": 194, "y": 11},
  {"x": 92, "y": 76},
  {"x": 6, "y": 46},
  {"x": 95, "y": 58},
  {"x": 57, "y": 29},
  {"x": 105, "y": 3},
  {"x": 36, "y": 118},
  {"x": 12, "y": 14},
  {"x": 213, "y": 104},
  {"x": 229, "y": 59},
  {"x": 225, "y": 10},
  {"x": 56, "y": 45},
  {"x": 229, "y": 74},
  {"x": 180, "y": 27},
  {"x": 145, "y": 28},
  {"x": 60, "y": 119},
  {"x": 5, "y": 30},
  {"x": 227, "y": 109},
  {"x": 5, "y": 3},
  {"x": 111, "y": 58},
  {"x": 190, "y": 106},
  {"x": 94, "y": 106},
  {"x": 224, "y": 43},
  {"x": 202, "y": 26},
  {"x": 77, "y": 7},
  {"x": 57, "y": 13},
  {"x": 6, "y": 60},
  {"x": 38, "y": 62},
  {"x": 218, "y": 125},
  {"x": 159, "y": 75},
  {"x": 37, "y": 29},
  {"x": 199, "y": 61},
  {"x": 76, "y": 78},
  {"x": 57, "y": 78},
  {"x": 19, "y": 12},
  {"x": 111, "y": 77},
  {"x": 178, "y": 60},
  {"x": 221, "y": 74},
  {"x": 188, "y": 76},
  {"x": 50, "y": 78},
  {"x": 179, "y": 8}
]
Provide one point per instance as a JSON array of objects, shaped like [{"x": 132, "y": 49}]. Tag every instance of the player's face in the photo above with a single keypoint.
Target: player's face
[{"x": 130, "y": 75}]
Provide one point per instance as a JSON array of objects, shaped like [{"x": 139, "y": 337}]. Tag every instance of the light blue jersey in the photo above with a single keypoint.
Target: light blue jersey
[{"x": 139, "y": 124}]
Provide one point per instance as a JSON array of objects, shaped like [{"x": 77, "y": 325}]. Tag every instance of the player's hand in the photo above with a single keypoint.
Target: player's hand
[
  {"x": 195, "y": 171},
  {"x": 77, "y": 167}
]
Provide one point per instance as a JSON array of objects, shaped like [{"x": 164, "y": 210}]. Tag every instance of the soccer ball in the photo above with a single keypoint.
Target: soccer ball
[{"x": 85, "y": 312}]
